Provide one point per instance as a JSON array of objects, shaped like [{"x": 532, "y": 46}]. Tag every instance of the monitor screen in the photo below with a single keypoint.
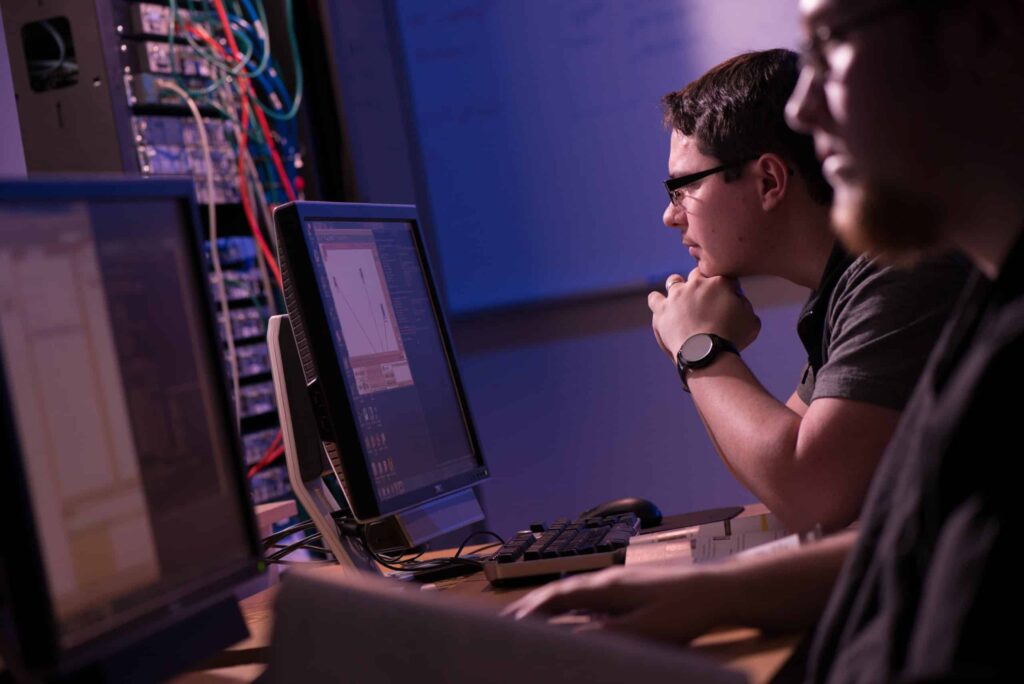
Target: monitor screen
[
  {"x": 115, "y": 397},
  {"x": 377, "y": 354}
]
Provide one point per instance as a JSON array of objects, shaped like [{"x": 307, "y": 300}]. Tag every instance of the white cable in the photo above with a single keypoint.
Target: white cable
[
  {"x": 255, "y": 192},
  {"x": 261, "y": 263},
  {"x": 261, "y": 196},
  {"x": 259, "y": 193},
  {"x": 257, "y": 198},
  {"x": 218, "y": 272}
]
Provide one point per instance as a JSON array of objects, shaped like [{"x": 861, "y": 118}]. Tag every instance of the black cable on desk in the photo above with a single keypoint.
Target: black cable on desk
[
  {"x": 272, "y": 539},
  {"x": 278, "y": 555},
  {"x": 489, "y": 546},
  {"x": 416, "y": 565},
  {"x": 473, "y": 534},
  {"x": 348, "y": 527}
]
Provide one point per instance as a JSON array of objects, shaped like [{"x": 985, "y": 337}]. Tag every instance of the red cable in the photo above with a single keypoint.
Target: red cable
[
  {"x": 274, "y": 443},
  {"x": 243, "y": 142},
  {"x": 260, "y": 117},
  {"x": 265, "y": 461},
  {"x": 278, "y": 164},
  {"x": 274, "y": 450},
  {"x": 227, "y": 29},
  {"x": 251, "y": 217}
]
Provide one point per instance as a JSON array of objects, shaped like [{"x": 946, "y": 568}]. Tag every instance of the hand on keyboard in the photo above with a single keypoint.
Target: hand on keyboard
[{"x": 666, "y": 604}]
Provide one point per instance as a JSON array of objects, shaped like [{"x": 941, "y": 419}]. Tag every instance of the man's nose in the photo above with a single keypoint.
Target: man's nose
[
  {"x": 674, "y": 217},
  {"x": 806, "y": 107}
]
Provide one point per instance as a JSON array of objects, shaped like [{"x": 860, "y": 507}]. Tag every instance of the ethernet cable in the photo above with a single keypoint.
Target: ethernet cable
[{"x": 211, "y": 208}]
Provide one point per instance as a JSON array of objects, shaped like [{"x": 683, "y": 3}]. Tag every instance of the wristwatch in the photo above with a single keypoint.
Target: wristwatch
[{"x": 701, "y": 350}]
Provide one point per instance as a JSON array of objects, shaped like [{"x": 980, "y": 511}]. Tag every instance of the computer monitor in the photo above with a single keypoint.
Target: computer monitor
[
  {"x": 376, "y": 355},
  {"x": 127, "y": 523}
]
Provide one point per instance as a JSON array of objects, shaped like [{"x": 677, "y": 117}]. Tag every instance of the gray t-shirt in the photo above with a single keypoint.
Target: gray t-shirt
[{"x": 869, "y": 328}]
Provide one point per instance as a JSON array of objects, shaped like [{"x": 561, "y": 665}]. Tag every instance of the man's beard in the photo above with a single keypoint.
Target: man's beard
[{"x": 892, "y": 224}]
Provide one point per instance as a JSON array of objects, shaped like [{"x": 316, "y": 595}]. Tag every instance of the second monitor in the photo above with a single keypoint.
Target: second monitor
[{"x": 376, "y": 355}]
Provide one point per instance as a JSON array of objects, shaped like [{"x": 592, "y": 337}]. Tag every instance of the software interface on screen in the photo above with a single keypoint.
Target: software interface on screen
[
  {"x": 122, "y": 437},
  {"x": 387, "y": 337}
]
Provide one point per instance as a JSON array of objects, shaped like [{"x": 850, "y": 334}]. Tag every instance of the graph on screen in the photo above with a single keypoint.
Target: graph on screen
[{"x": 363, "y": 305}]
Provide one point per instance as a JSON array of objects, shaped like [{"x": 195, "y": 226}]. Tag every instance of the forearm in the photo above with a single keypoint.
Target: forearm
[
  {"x": 754, "y": 433},
  {"x": 782, "y": 592}
]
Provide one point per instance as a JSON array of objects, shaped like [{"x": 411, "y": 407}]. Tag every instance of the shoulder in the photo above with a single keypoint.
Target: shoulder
[
  {"x": 869, "y": 282},
  {"x": 937, "y": 271}
]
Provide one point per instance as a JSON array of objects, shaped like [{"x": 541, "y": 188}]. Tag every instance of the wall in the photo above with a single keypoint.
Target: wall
[
  {"x": 537, "y": 127},
  {"x": 576, "y": 404}
]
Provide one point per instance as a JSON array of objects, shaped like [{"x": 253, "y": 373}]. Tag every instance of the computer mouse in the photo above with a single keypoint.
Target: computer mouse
[{"x": 646, "y": 511}]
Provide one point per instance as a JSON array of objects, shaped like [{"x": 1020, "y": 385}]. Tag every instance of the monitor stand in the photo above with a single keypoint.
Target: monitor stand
[{"x": 308, "y": 465}]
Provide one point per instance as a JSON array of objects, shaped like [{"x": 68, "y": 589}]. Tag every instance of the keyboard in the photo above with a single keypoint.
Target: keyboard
[{"x": 566, "y": 546}]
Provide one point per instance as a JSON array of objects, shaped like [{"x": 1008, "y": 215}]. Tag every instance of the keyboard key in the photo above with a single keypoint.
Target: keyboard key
[
  {"x": 534, "y": 550},
  {"x": 587, "y": 540},
  {"x": 514, "y": 547},
  {"x": 558, "y": 546}
]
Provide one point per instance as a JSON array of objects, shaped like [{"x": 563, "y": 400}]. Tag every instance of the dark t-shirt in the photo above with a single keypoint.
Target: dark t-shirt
[
  {"x": 927, "y": 593},
  {"x": 868, "y": 328}
]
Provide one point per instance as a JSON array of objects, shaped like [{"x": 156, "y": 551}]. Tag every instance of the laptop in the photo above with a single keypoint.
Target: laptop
[{"x": 332, "y": 626}]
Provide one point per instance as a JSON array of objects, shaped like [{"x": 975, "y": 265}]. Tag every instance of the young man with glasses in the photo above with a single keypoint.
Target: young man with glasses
[
  {"x": 915, "y": 108},
  {"x": 748, "y": 197}
]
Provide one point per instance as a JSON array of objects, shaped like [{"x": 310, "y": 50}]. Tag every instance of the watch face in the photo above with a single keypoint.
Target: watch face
[{"x": 696, "y": 348}]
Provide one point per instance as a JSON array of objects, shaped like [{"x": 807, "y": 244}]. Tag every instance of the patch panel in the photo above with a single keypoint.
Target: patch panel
[
  {"x": 255, "y": 444},
  {"x": 270, "y": 484},
  {"x": 253, "y": 359},
  {"x": 143, "y": 90},
  {"x": 257, "y": 399},
  {"x": 239, "y": 285},
  {"x": 152, "y": 19},
  {"x": 171, "y": 146},
  {"x": 246, "y": 323},
  {"x": 235, "y": 250},
  {"x": 159, "y": 57}
]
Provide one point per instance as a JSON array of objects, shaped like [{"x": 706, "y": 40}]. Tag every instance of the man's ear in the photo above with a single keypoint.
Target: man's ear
[{"x": 772, "y": 174}]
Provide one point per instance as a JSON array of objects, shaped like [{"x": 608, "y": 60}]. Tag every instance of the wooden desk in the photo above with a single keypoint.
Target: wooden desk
[{"x": 745, "y": 650}]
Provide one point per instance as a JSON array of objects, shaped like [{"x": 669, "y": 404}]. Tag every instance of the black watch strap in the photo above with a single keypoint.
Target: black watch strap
[{"x": 708, "y": 347}]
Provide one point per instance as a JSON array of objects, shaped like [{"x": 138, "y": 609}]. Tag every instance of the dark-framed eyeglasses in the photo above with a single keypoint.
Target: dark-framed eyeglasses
[
  {"x": 812, "y": 50},
  {"x": 675, "y": 186}
]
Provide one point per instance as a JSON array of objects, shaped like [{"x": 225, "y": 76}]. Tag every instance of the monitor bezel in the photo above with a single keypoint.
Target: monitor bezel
[
  {"x": 335, "y": 419},
  {"x": 30, "y": 605}
]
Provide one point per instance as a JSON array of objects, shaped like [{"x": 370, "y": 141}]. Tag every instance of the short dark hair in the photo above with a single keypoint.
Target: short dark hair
[{"x": 736, "y": 111}]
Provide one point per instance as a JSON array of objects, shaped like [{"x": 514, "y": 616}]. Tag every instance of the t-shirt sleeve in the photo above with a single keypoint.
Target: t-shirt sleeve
[{"x": 884, "y": 322}]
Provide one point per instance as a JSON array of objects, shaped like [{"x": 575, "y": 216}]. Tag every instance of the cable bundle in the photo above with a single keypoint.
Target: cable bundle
[
  {"x": 247, "y": 90},
  {"x": 276, "y": 552}
]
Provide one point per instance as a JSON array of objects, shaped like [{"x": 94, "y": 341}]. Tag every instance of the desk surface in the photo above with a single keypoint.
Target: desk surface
[{"x": 746, "y": 650}]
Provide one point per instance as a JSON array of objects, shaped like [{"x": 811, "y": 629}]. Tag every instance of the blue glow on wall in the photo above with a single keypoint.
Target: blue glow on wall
[{"x": 538, "y": 127}]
